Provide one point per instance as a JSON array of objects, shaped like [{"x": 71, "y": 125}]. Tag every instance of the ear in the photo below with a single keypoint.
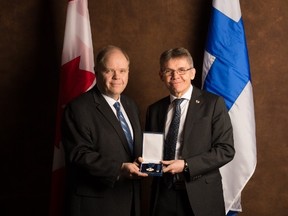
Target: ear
[
  {"x": 161, "y": 75},
  {"x": 193, "y": 73}
]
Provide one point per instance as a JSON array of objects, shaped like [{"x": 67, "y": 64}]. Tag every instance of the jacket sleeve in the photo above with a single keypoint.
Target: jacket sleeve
[
  {"x": 81, "y": 149},
  {"x": 212, "y": 140}
]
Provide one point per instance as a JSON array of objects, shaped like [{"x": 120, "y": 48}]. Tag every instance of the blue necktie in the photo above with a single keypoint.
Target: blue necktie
[
  {"x": 171, "y": 138},
  {"x": 124, "y": 126}
]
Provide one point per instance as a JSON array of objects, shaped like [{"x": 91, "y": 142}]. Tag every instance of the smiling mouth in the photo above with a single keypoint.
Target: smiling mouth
[
  {"x": 116, "y": 84},
  {"x": 176, "y": 83}
]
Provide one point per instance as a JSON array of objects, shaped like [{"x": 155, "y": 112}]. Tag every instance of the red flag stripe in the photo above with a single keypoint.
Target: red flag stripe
[{"x": 76, "y": 77}]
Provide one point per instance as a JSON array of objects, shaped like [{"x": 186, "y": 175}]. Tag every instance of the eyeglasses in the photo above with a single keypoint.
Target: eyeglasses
[{"x": 180, "y": 71}]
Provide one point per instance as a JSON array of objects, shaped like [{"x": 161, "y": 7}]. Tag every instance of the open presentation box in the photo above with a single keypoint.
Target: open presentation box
[{"x": 153, "y": 144}]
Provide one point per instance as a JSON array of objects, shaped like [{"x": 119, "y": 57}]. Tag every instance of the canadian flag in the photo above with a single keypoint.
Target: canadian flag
[{"x": 77, "y": 76}]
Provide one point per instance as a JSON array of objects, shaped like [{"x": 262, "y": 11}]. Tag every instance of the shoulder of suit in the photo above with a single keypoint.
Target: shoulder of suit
[
  {"x": 161, "y": 102},
  {"x": 205, "y": 93},
  {"x": 82, "y": 99},
  {"x": 125, "y": 100}
]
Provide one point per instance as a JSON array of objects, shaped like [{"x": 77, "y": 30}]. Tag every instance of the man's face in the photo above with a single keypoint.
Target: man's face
[
  {"x": 113, "y": 80},
  {"x": 177, "y": 75}
]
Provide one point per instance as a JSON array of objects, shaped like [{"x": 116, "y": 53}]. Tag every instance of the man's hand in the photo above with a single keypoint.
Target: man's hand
[
  {"x": 131, "y": 170},
  {"x": 173, "y": 166}
]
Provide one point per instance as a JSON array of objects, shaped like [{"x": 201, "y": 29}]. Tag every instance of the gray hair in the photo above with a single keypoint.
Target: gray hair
[{"x": 174, "y": 53}]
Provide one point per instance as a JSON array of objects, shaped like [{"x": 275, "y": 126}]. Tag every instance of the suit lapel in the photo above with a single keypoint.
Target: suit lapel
[
  {"x": 134, "y": 121},
  {"x": 163, "y": 113},
  {"x": 130, "y": 113},
  {"x": 105, "y": 110},
  {"x": 193, "y": 110}
]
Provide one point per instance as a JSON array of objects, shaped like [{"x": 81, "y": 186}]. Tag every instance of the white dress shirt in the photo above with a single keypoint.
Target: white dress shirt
[{"x": 184, "y": 108}]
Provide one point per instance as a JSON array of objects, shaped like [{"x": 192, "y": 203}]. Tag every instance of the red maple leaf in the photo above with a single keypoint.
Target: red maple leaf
[{"x": 73, "y": 82}]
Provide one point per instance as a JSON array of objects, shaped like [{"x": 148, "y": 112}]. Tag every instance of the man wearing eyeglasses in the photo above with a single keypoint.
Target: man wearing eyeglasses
[
  {"x": 102, "y": 137},
  {"x": 198, "y": 141}
]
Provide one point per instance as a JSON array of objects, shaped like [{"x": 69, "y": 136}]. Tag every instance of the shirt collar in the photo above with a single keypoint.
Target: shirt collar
[{"x": 110, "y": 100}]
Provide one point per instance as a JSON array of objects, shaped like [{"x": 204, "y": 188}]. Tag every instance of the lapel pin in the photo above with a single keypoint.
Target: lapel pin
[{"x": 197, "y": 101}]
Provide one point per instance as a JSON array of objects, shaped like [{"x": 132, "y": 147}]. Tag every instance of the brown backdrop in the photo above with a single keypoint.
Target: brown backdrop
[{"x": 31, "y": 43}]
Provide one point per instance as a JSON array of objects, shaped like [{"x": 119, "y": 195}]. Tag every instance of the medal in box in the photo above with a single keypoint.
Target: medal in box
[{"x": 152, "y": 153}]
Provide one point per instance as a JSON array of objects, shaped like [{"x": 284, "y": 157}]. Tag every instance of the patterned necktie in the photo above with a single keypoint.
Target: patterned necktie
[
  {"x": 124, "y": 126},
  {"x": 171, "y": 138}
]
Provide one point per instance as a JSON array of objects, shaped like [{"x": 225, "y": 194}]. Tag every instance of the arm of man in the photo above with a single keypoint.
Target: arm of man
[
  {"x": 81, "y": 151},
  {"x": 214, "y": 135}
]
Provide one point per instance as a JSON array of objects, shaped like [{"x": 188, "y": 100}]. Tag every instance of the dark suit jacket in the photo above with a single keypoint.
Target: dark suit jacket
[
  {"x": 207, "y": 145},
  {"x": 95, "y": 148}
]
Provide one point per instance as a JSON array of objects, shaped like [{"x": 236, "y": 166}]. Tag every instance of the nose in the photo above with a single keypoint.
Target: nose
[
  {"x": 116, "y": 74},
  {"x": 174, "y": 74}
]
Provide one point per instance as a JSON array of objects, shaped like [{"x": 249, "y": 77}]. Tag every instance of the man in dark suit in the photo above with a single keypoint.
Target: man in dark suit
[
  {"x": 191, "y": 183},
  {"x": 103, "y": 175}
]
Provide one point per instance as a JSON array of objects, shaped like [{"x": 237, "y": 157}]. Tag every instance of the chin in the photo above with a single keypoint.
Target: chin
[{"x": 177, "y": 90}]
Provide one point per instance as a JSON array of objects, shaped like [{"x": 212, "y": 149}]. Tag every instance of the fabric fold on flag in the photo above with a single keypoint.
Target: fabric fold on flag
[
  {"x": 76, "y": 76},
  {"x": 226, "y": 72}
]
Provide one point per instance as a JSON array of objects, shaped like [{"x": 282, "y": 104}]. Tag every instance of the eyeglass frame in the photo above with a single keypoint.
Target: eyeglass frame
[{"x": 180, "y": 71}]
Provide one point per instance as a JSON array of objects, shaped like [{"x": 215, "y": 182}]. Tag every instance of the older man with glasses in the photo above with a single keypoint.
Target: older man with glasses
[{"x": 198, "y": 141}]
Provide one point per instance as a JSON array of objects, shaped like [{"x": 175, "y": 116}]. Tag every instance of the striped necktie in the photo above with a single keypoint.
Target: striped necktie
[{"x": 124, "y": 125}]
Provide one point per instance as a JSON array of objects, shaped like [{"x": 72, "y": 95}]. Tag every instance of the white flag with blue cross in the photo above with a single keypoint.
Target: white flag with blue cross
[{"x": 226, "y": 72}]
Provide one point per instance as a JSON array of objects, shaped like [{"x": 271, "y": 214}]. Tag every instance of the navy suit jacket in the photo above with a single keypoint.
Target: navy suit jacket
[
  {"x": 95, "y": 148},
  {"x": 207, "y": 146}
]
